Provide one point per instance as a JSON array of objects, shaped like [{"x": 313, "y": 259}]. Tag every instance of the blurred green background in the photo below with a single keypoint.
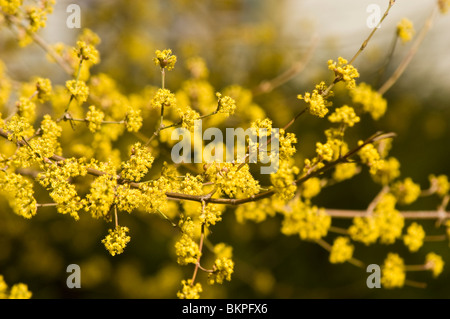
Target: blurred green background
[{"x": 243, "y": 42}]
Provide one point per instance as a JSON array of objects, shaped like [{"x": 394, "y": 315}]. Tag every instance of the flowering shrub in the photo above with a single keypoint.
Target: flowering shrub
[{"x": 118, "y": 162}]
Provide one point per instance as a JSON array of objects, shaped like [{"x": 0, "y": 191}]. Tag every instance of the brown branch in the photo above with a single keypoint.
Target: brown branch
[
  {"x": 402, "y": 67},
  {"x": 229, "y": 201},
  {"x": 418, "y": 214}
]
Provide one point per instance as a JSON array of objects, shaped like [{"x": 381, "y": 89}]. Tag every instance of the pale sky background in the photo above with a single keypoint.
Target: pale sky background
[{"x": 345, "y": 22}]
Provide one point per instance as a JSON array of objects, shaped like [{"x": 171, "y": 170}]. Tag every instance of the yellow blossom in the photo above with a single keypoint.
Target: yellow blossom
[
  {"x": 116, "y": 241},
  {"x": 139, "y": 163},
  {"x": 364, "y": 229},
  {"x": 344, "y": 71},
  {"x": 44, "y": 89},
  {"x": 440, "y": 184},
  {"x": 345, "y": 115},
  {"x": 387, "y": 171},
  {"x": 10, "y": 6},
  {"x": 94, "y": 117},
  {"x": 435, "y": 263},
  {"x": 405, "y": 30},
  {"x": 341, "y": 251},
  {"x": 87, "y": 52},
  {"x": 133, "y": 119},
  {"x": 345, "y": 171},
  {"x": 165, "y": 59},
  {"x": 163, "y": 98},
  {"x": 414, "y": 237},
  {"x": 226, "y": 104},
  {"x": 78, "y": 89},
  {"x": 393, "y": 272},
  {"x": 444, "y": 6},
  {"x": 406, "y": 191},
  {"x": 283, "y": 180},
  {"x": 256, "y": 211},
  {"x": 189, "y": 291},
  {"x": 372, "y": 102},
  {"x": 222, "y": 270},
  {"x": 318, "y": 105},
  {"x": 309, "y": 222},
  {"x": 311, "y": 187},
  {"x": 187, "y": 250}
]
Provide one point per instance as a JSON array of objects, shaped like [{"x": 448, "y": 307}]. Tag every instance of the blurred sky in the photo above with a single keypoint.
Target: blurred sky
[{"x": 345, "y": 23}]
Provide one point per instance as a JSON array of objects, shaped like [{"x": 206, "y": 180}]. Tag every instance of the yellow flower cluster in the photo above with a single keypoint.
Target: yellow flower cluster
[
  {"x": 188, "y": 116},
  {"x": 26, "y": 109},
  {"x": 17, "y": 291},
  {"x": 286, "y": 147},
  {"x": 388, "y": 170},
  {"x": 199, "y": 94},
  {"x": 389, "y": 220},
  {"x": 440, "y": 184},
  {"x": 189, "y": 291},
  {"x": 226, "y": 104},
  {"x": 56, "y": 180},
  {"x": 94, "y": 117},
  {"x": 18, "y": 128},
  {"x": 37, "y": 18},
  {"x": 44, "y": 89},
  {"x": 232, "y": 181},
  {"x": 341, "y": 251},
  {"x": 393, "y": 272},
  {"x": 165, "y": 59},
  {"x": 10, "y": 6},
  {"x": 19, "y": 192},
  {"x": 386, "y": 223},
  {"x": 444, "y": 6},
  {"x": 192, "y": 185},
  {"x": 324, "y": 151},
  {"x": 311, "y": 188},
  {"x": 372, "y": 102},
  {"x": 345, "y": 115},
  {"x": 133, "y": 119},
  {"x": 435, "y": 263},
  {"x": 127, "y": 198},
  {"x": 283, "y": 180},
  {"x": 370, "y": 156},
  {"x": 309, "y": 222},
  {"x": 139, "y": 163},
  {"x": 116, "y": 240},
  {"x": 405, "y": 30},
  {"x": 87, "y": 52},
  {"x": 364, "y": 229},
  {"x": 414, "y": 237},
  {"x": 345, "y": 171},
  {"x": 163, "y": 98},
  {"x": 211, "y": 214},
  {"x": 318, "y": 105},
  {"x": 187, "y": 250},
  {"x": 154, "y": 195},
  {"x": 78, "y": 89},
  {"x": 222, "y": 270},
  {"x": 344, "y": 71},
  {"x": 406, "y": 191},
  {"x": 101, "y": 196},
  {"x": 256, "y": 211}
]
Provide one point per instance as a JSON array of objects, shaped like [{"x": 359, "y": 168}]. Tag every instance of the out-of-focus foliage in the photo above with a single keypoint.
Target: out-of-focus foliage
[{"x": 235, "y": 47}]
